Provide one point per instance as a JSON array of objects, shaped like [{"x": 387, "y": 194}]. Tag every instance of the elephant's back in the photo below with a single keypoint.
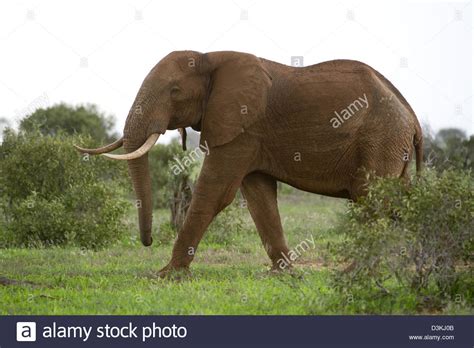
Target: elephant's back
[
  {"x": 336, "y": 67},
  {"x": 326, "y": 113}
]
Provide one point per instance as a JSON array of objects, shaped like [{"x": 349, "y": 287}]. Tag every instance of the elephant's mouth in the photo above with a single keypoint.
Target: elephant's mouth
[{"x": 197, "y": 126}]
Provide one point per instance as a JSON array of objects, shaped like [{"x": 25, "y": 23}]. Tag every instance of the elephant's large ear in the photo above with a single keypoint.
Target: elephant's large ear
[{"x": 239, "y": 86}]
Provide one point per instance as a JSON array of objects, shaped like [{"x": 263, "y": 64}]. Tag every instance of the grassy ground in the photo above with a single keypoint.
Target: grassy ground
[{"x": 229, "y": 276}]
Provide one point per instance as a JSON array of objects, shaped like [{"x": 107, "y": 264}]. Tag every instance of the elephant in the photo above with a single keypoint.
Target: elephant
[{"x": 318, "y": 128}]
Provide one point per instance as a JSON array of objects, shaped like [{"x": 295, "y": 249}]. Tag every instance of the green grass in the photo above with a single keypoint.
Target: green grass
[
  {"x": 227, "y": 278},
  {"x": 100, "y": 284}
]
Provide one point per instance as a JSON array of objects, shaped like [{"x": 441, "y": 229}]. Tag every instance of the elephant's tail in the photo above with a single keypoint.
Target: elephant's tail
[{"x": 418, "y": 143}]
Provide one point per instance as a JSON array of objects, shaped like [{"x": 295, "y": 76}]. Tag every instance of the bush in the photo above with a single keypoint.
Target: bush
[
  {"x": 51, "y": 195},
  {"x": 227, "y": 225},
  {"x": 416, "y": 238},
  {"x": 166, "y": 233}
]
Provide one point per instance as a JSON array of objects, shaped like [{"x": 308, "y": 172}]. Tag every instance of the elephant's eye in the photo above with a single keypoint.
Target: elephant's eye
[{"x": 175, "y": 92}]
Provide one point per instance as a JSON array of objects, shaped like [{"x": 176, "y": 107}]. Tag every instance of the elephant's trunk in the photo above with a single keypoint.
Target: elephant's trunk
[
  {"x": 142, "y": 128},
  {"x": 137, "y": 158},
  {"x": 140, "y": 175}
]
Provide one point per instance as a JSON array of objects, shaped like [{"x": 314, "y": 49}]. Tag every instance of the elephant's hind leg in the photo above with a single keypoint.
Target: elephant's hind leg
[{"x": 260, "y": 192}]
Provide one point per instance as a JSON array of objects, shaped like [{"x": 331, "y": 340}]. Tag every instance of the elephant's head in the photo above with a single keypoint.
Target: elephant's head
[{"x": 221, "y": 93}]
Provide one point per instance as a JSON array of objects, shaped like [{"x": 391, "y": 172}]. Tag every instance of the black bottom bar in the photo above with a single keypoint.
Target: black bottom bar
[{"x": 236, "y": 331}]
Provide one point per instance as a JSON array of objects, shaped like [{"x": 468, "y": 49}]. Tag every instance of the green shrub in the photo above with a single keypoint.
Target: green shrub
[
  {"x": 166, "y": 233},
  {"x": 416, "y": 238},
  {"x": 227, "y": 225},
  {"x": 51, "y": 195},
  {"x": 36, "y": 221}
]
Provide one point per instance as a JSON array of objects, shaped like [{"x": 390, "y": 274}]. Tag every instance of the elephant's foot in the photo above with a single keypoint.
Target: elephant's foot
[
  {"x": 278, "y": 268},
  {"x": 280, "y": 261},
  {"x": 173, "y": 272},
  {"x": 289, "y": 270}
]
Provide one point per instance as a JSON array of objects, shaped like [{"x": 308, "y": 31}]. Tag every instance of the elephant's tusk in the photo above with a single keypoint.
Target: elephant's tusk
[
  {"x": 147, "y": 145},
  {"x": 107, "y": 148}
]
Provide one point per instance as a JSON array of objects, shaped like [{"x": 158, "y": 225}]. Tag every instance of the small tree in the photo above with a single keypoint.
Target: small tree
[
  {"x": 172, "y": 188},
  {"x": 449, "y": 148},
  {"x": 71, "y": 120},
  {"x": 181, "y": 199}
]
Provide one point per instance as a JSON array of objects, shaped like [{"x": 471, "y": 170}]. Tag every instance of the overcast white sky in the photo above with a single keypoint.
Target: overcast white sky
[{"x": 89, "y": 51}]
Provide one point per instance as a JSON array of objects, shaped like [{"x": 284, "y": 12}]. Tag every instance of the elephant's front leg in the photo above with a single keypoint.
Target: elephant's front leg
[{"x": 218, "y": 182}]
